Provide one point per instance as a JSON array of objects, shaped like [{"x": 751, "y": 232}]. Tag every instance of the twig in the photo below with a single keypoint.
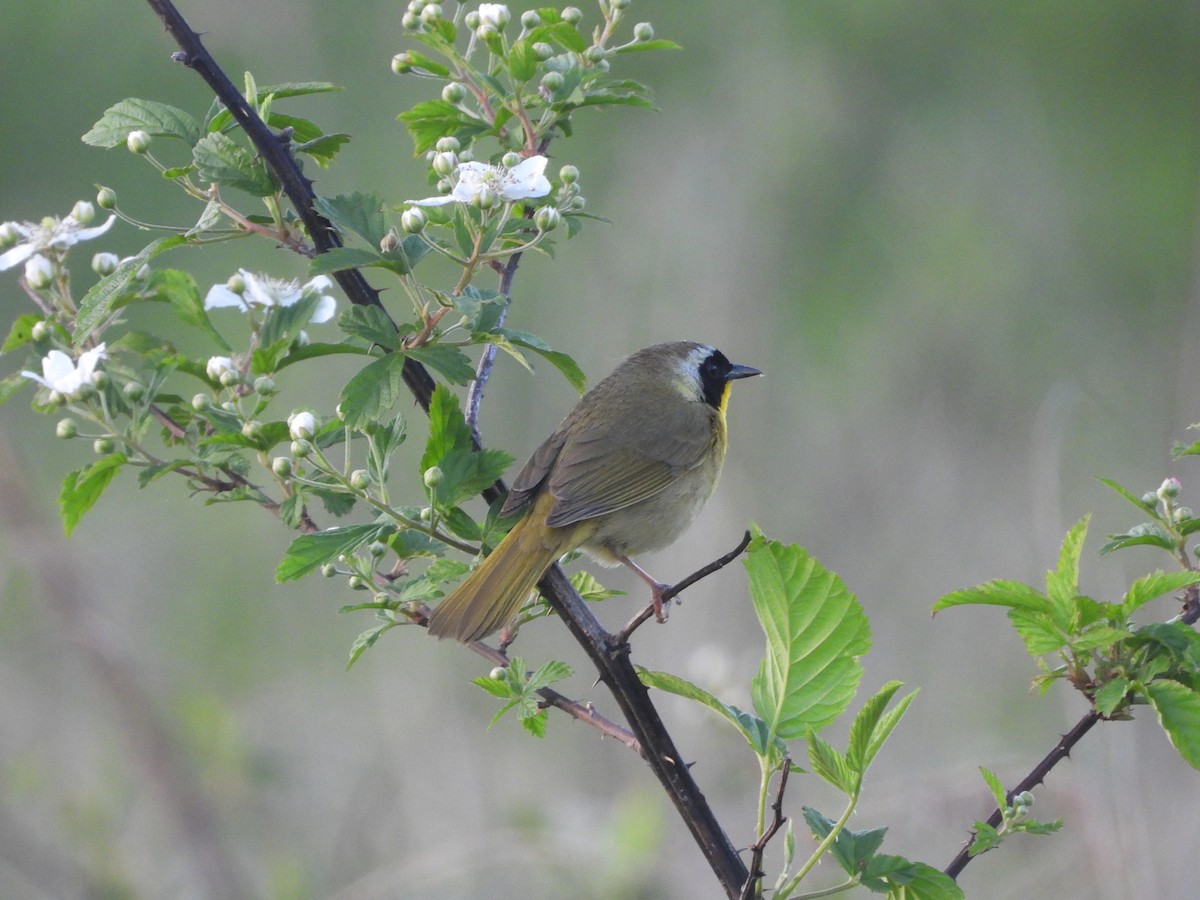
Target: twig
[
  {"x": 584, "y": 712},
  {"x": 1061, "y": 751},
  {"x": 487, "y": 359},
  {"x": 777, "y": 820},
  {"x": 678, "y": 588}
]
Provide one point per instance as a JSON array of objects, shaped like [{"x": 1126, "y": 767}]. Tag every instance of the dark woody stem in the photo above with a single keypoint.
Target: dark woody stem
[{"x": 608, "y": 653}]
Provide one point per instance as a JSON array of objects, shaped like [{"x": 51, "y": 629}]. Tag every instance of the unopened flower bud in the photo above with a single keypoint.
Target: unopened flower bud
[
  {"x": 201, "y": 402},
  {"x": 329, "y": 570},
  {"x": 138, "y": 142},
  {"x": 568, "y": 174},
  {"x": 376, "y": 549},
  {"x": 301, "y": 449},
  {"x": 106, "y": 198},
  {"x": 595, "y": 54},
  {"x": 552, "y": 81},
  {"x": 577, "y": 203},
  {"x": 547, "y": 218},
  {"x": 431, "y": 13},
  {"x": 302, "y": 425},
  {"x": 40, "y": 331},
  {"x": 134, "y": 391},
  {"x": 643, "y": 31},
  {"x": 99, "y": 381},
  {"x": 230, "y": 379},
  {"x": 281, "y": 466},
  {"x": 485, "y": 31},
  {"x": 454, "y": 93},
  {"x": 433, "y": 476},
  {"x": 390, "y": 242},
  {"x": 497, "y": 674},
  {"x": 1182, "y": 514},
  {"x": 9, "y": 235},
  {"x": 1150, "y": 499},
  {"x": 542, "y": 51},
  {"x": 486, "y": 198},
  {"x": 1169, "y": 489},
  {"x": 445, "y": 163},
  {"x": 66, "y": 429},
  {"x": 402, "y": 64},
  {"x": 410, "y": 21},
  {"x": 104, "y": 446},
  {"x": 360, "y": 480},
  {"x": 357, "y": 583},
  {"x": 426, "y": 513},
  {"x": 530, "y": 19},
  {"x": 412, "y": 221},
  {"x": 511, "y": 159},
  {"x": 496, "y": 14},
  {"x": 264, "y": 385},
  {"x": 252, "y": 430},
  {"x": 618, "y": 4},
  {"x": 471, "y": 19},
  {"x": 39, "y": 272},
  {"x": 448, "y": 144},
  {"x": 105, "y": 263},
  {"x": 83, "y": 212},
  {"x": 572, "y": 14},
  {"x": 236, "y": 283}
]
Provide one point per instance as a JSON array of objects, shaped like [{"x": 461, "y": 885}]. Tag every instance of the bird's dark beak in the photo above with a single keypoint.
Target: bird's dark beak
[{"x": 739, "y": 371}]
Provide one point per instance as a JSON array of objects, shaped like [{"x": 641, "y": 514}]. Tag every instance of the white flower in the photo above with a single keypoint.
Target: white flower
[
  {"x": 267, "y": 292},
  {"x": 218, "y": 366},
  {"x": 522, "y": 182},
  {"x": 302, "y": 425},
  {"x": 39, "y": 272},
  {"x": 494, "y": 14},
  {"x": 60, "y": 374},
  {"x": 50, "y": 234}
]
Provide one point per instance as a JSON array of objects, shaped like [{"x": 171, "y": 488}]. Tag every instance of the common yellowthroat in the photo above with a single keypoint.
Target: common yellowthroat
[{"x": 624, "y": 473}]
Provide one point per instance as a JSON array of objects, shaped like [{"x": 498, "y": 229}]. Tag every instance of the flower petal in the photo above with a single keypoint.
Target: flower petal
[
  {"x": 16, "y": 255},
  {"x": 220, "y": 296}
]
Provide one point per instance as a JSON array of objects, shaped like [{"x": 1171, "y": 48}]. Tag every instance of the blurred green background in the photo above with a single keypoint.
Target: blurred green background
[{"x": 960, "y": 238}]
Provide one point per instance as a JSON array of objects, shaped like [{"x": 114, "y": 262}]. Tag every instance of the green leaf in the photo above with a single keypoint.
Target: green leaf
[
  {"x": 1178, "y": 711},
  {"x": 157, "y": 470},
  {"x": 337, "y": 259},
  {"x": 1063, "y": 583},
  {"x": 508, "y": 339},
  {"x": 1146, "y": 535},
  {"x": 283, "y": 324},
  {"x": 83, "y": 487},
  {"x": 497, "y": 687},
  {"x": 359, "y": 213},
  {"x": 647, "y": 45},
  {"x": 21, "y": 332},
  {"x": 370, "y": 323},
  {"x": 591, "y": 590},
  {"x": 221, "y": 161},
  {"x": 448, "y": 429},
  {"x": 1127, "y": 494},
  {"x": 309, "y": 552},
  {"x": 851, "y": 849},
  {"x": 102, "y": 297},
  {"x": 10, "y": 385},
  {"x": 1098, "y": 636},
  {"x": 180, "y": 290},
  {"x": 1111, "y": 695},
  {"x": 373, "y": 390},
  {"x": 1000, "y": 592},
  {"x": 1038, "y": 631},
  {"x": 433, "y": 119},
  {"x": 753, "y": 729},
  {"x": 873, "y": 725},
  {"x": 815, "y": 631},
  {"x": 1154, "y": 585},
  {"x": 522, "y": 61},
  {"x": 918, "y": 881},
  {"x": 547, "y": 674},
  {"x": 454, "y": 365},
  {"x": 996, "y": 786},
  {"x": 986, "y": 838},
  {"x": 366, "y": 641},
  {"x": 827, "y": 762},
  {"x": 536, "y": 724},
  {"x": 156, "y": 119}
]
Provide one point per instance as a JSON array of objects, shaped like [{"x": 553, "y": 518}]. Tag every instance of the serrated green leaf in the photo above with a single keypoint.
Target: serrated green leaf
[
  {"x": 536, "y": 723},
  {"x": 1154, "y": 585},
  {"x": 309, "y": 552},
  {"x": 753, "y": 729},
  {"x": 1038, "y": 631},
  {"x": 1155, "y": 537},
  {"x": 372, "y": 391},
  {"x": 508, "y": 338},
  {"x": 815, "y": 631},
  {"x": 874, "y": 724},
  {"x": 433, "y": 119},
  {"x": 548, "y": 673},
  {"x": 591, "y": 590},
  {"x": 10, "y": 385},
  {"x": 454, "y": 365},
  {"x": 1127, "y": 494},
  {"x": 133, "y": 114},
  {"x": 1178, "y": 711},
  {"x": 337, "y": 259},
  {"x": 370, "y": 323},
  {"x": 448, "y": 429},
  {"x": 366, "y": 641},
  {"x": 497, "y": 687},
  {"x": 359, "y": 213},
  {"x": 157, "y": 470},
  {"x": 282, "y": 325},
  {"x": 83, "y": 487},
  {"x": 920, "y": 881},
  {"x": 522, "y": 61},
  {"x": 641, "y": 46},
  {"x": 827, "y": 762},
  {"x": 220, "y": 160},
  {"x": 1111, "y": 695},
  {"x": 996, "y": 786},
  {"x": 102, "y": 298},
  {"x": 1000, "y": 592},
  {"x": 1062, "y": 584},
  {"x": 1098, "y": 636}
]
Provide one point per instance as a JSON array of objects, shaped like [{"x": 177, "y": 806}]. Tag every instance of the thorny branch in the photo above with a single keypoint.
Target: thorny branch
[
  {"x": 749, "y": 889},
  {"x": 608, "y": 653}
]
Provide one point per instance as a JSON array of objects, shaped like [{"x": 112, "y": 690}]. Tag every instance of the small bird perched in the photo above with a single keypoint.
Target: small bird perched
[{"x": 624, "y": 473}]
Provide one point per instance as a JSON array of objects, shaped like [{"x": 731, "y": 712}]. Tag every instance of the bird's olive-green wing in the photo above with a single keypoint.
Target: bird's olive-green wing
[
  {"x": 533, "y": 473},
  {"x": 615, "y": 463}
]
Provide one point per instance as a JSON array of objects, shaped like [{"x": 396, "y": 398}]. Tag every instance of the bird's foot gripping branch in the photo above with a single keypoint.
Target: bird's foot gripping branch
[{"x": 508, "y": 85}]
